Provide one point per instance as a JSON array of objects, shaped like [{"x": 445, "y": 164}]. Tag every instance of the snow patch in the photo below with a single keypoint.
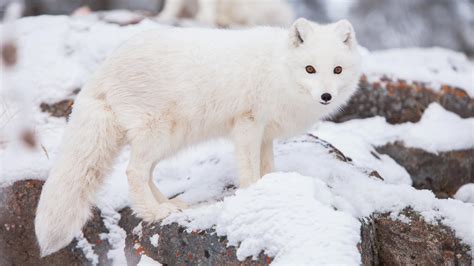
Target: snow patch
[
  {"x": 435, "y": 66},
  {"x": 87, "y": 249},
  {"x": 147, "y": 261},
  {"x": 465, "y": 193},
  {"x": 452, "y": 132},
  {"x": 154, "y": 240},
  {"x": 116, "y": 235},
  {"x": 278, "y": 214},
  {"x": 138, "y": 230}
]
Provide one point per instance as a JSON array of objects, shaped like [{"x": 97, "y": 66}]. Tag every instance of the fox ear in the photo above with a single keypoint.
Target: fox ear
[
  {"x": 346, "y": 32},
  {"x": 299, "y": 31}
]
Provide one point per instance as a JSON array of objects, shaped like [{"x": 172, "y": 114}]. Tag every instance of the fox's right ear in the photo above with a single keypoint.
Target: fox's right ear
[{"x": 299, "y": 31}]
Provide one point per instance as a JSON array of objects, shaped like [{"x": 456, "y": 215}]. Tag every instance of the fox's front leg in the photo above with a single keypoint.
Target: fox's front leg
[
  {"x": 207, "y": 10},
  {"x": 266, "y": 157},
  {"x": 247, "y": 135}
]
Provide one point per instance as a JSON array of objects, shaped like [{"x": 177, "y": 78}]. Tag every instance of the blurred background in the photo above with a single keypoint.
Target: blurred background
[{"x": 380, "y": 24}]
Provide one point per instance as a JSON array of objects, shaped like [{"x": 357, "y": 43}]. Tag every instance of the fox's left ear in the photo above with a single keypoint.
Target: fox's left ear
[
  {"x": 299, "y": 31},
  {"x": 346, "y": 32}
]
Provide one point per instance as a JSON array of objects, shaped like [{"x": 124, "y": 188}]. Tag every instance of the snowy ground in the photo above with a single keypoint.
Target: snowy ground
[{"x": 313, "y": 198}]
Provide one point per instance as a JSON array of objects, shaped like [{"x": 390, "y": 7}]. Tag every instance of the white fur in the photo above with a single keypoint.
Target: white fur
[
  {"x": 169, "y": 88},
  {"x": 227, "y": 13}
]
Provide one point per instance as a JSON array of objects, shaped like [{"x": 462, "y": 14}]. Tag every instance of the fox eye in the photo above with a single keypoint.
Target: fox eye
[
  {"x": 338, "y": 70},
  {"x": 310, "y": 69}
]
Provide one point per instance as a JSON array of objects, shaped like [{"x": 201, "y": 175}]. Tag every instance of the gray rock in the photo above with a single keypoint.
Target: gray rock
[
  {"x": 394, "y": 242},
  {"x": 443, "y": 173},
  {"x": 18, "y": 244}
]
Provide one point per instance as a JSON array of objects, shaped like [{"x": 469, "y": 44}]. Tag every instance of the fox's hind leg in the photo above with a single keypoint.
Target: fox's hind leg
[{"x": 148, "y": 203}]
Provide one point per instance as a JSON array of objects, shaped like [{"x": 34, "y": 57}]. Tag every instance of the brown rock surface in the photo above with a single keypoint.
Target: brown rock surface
[
  {"x": 415, "y": 243},
  {"x": 442, "y": 173},
  {"x": 383, "y": 240},
  {"x": 399, "y": 101},
  {"x": 18, "y": 244}
]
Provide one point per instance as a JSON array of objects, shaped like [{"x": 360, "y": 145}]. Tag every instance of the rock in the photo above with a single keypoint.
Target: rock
[
  {"x": 59, "y": 109},
  {"x": 368, "y": 246},
  {"x": 443, "y": 173},
  {"x": 399, "y": 101},
  {"x": 128, "y": 222},
  {"x": 18, "y": 244},
  {"x": 394, "y": 242},
  {"x": 383, "y": 240},
  {"x": 178, "y": 247}
]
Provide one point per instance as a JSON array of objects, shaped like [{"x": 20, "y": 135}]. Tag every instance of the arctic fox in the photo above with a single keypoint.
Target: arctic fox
[
  {"x": 227, "y": 13},
  {"x": 166, "y": 89}
]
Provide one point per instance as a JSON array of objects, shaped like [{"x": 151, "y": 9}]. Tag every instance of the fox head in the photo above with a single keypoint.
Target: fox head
[{"x": 324, "y": 61}]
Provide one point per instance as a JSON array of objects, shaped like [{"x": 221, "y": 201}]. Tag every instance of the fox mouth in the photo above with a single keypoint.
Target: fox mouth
[{"x": 324, "y": 103}]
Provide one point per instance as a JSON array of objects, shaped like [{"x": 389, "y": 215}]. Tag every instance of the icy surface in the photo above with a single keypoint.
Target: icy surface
[{"x": 312, "y": 197}]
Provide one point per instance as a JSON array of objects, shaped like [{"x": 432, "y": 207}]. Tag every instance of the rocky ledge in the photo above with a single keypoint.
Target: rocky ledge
[{"x": 384, "y": 239}]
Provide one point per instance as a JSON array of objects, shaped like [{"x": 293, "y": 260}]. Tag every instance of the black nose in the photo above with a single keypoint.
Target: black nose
[{"x": 326, "y": 97}]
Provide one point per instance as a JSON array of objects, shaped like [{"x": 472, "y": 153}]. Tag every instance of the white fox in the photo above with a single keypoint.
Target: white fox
[{"x": 166, "y": 89}]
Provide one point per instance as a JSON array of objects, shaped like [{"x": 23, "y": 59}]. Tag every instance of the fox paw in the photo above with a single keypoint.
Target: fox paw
[{"x": 157, "y": 213}]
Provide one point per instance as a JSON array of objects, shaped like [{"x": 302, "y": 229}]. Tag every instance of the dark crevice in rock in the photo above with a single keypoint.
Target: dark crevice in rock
[{"x": 368, "y": 247}]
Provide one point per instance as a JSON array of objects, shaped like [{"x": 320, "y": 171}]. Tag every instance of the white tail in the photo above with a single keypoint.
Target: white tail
[{"x": 89, "y": 145}]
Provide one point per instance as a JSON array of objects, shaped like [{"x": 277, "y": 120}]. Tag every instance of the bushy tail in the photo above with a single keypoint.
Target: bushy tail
[{"x": 89, "y": 145}]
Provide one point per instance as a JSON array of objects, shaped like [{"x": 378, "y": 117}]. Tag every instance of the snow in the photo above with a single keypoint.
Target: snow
[
  {"x": 87, "y": 249},
  {"x": 435, "y": 66},
  {"x": 438, "y": 131},
  {"x": 277, "y": 215},
  {"x": 138, "y": 230},
  {"x": 147, "y": 261},
  {"x": 312, "y": 198},
  {"x": 57, "y": 54},
  {"x": 116, "y": 235},
  {"x": 154, "y": 240},
  {"x": 465, "y": 193}
]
